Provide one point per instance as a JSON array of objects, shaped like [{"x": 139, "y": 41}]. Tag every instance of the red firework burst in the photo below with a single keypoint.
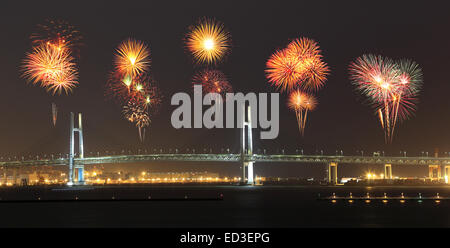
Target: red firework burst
[
  {"x": 212, "y": 81},
  {"x": 58, "y": 33}
]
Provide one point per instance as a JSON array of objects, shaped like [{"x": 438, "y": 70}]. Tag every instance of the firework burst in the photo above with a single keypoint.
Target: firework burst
[
  {"x": 57, "y": 33},
  {"x": 212, "y": 81},
  {"x": 299, "y": 65},
  {"x": 142, "y": 90},
  {"x": 282, "y": 70},
  {"x": 131, "y": 86},
  {"x": 147, "y": 94},
  {"x": 138, "y": 114},
  {"x": 301, "y": 103},
  {"x": 118, "y": 87},
  {"x": 53, "y": 68},
  {"x": 51, "y": 63},
  {"x": 208, "y": 41},
  {"x": 66, "y": 82},
  {"x": 132, "y": 58},
  {"x": 391, "y": 87}
]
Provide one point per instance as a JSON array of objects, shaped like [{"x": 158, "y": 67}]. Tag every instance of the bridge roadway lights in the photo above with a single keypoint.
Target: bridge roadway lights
[
  {"x": 332, "y": 173},
  {"x": 388, "y": 171}
]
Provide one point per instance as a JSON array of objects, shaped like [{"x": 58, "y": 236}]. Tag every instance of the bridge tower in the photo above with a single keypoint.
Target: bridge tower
[
  {"x": 388, "y": 171},
  {"x": 434, "y": 172},
  {"x": 76, "y": 170},
  {"x": 332, "y": 173},
  {"x": 246, "y": 147},
  {"x": 446, "y": 173}
]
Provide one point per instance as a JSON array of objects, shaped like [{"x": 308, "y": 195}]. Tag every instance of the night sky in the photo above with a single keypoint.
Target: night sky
[{"x": 343, "y": 29}]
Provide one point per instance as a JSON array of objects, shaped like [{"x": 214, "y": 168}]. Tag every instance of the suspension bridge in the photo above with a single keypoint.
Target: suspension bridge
[{"x": 439, "y": 168}]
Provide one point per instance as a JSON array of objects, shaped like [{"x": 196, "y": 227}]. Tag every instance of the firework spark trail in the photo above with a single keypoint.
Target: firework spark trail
[
  {"x": 208, "y": 41},
  {"x": 391, "y": 87},
  {"x": 296, "y": 102},
  {"x": 310, "y": 105},
  {"x": 136, "y": 113},
  {"x": 410, "y": 83},
  {"x": 54, "y": 113},
  {"x": 301, "y": 103},
  {"x": 375, "y": 77}
]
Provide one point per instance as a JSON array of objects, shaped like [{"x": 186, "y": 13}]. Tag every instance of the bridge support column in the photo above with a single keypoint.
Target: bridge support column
[
  {"x": 247, "y": 147},
  {"x": 446, "y": 173},
  {"x": 250, "y": 179},
  {"x": 14, "y": 176},
  {"x": 332, "y": 173},
  {"x": 388, "y": 171},
  {"x": 434, "y": 172},
  {"x": 79, "y": 168}
]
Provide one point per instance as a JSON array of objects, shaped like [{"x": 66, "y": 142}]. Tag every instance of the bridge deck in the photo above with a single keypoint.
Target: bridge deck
[{"x": 310, "y": 159}]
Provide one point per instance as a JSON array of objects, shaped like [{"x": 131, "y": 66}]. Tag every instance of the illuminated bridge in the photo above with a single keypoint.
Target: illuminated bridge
[
  {"x": 309, "y": 159},
  {"x": 438, "y": 167}
]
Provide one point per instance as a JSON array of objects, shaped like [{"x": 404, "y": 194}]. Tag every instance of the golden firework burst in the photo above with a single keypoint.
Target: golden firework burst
[
  {"x": 208, "y": 41},
  {"x": 133, "y": 58},
  {"x": 53, "y": 68}
]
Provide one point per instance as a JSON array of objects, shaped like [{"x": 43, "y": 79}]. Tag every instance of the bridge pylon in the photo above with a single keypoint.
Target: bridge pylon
[
  {"x": 434, "y": 172},
  {"x": 446, "y": 173},
  {"x": 388, "y": 171},
  {"x": 247, "y": 147},
  {"x": 76, "y": 170},
  {"x": 332, "y": 173}
]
